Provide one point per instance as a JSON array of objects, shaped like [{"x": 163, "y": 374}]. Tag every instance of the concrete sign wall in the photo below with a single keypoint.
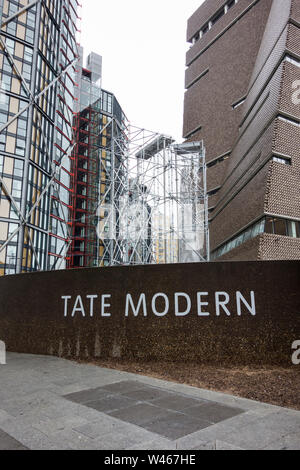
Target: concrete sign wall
[{"x": 217, "y": 313}]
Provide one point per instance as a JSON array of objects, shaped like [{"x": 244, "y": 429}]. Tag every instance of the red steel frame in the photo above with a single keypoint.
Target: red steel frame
[
  {"x": 68, "y": 4},
  {"x": 82, "y": 248}
]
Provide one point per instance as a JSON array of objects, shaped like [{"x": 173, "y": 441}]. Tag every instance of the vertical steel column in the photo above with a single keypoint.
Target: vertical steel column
[
  {"x": 112, "y": 195},
  {"x": 28, "y": 145},
  {"x": 206, "y": 205}
]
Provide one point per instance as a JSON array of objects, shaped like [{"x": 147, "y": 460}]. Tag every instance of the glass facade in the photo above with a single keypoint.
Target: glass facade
[
  {"x": 271, "y": 225},
  {"x": 37, "y": 63}
]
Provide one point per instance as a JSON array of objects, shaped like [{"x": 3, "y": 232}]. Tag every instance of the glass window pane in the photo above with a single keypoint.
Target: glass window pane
[
  {"x": 293, "y": 229},
  {"x": 269, "y": 225},
  {"x": 280, "y": 227}
]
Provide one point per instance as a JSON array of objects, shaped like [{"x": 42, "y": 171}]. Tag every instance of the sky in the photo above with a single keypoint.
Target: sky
[{"x": 143, "y": 46}]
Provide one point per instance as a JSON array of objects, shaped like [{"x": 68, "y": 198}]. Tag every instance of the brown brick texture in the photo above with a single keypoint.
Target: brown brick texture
[{"x": 249, "y": 58}]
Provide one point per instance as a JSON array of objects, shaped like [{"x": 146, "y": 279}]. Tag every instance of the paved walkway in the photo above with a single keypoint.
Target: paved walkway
[{"x": 51, "y": 403}]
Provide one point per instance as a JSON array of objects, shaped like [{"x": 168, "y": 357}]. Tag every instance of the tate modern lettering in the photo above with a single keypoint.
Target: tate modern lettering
[
  {"x": 243, "y": 313},
  {"x": 180, "y": 304}
]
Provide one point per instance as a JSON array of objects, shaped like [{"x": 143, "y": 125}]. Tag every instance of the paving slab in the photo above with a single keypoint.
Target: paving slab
[
  {"x": 52, "y": 403},
  {"x": 178, "y": 403},
  {"x": 175, "y": 425},
  {"x": 110, "y": 403},
  {"x": 288, "y": 442},
  {"x": 213, "y": 412},
  {"x": 149, "y": 394},
  {"x": 124, "y": 386},
  {"x": 7, "y": 442},
  {"x": 140, "y": 414},
  {"x": 85, "y": 396}
]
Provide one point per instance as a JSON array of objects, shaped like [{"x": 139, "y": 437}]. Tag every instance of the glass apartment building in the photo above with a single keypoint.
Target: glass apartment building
[
  {"x": 100, "y": 137},
  {"x": 38, "y": 54}
]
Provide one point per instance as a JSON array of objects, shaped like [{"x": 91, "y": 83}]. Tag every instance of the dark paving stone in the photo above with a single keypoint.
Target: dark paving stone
[
  {"x": 140, "y": 414},
  {"x": 176, "y": 425},
  {"x": 213, "y": 412},
  {"x": 110, "y": 403},
  {"x": 177, "y": 402},
  {"x": 168, "y": 414},
  {"x": 148, "y": 394},
  {"x": 7, "y": 442},
  {"x": 123, "y": 387},
  {"x": 87, "y": 395}
]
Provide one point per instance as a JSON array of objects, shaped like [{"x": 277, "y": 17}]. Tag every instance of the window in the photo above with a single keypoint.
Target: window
[
  {"x": 280, "y": 227},
  {"x": 5, "y": 86},
  {"x": 213, "y": 20},
  {"x": 16, "y": 189},
  {"x": 218, "y": 16},
  {"x": 29, "y": 35},
  {"x": 12, "y": 228},
  {"x": 22, "y": 127},
  {"x": 28, "y": 53},
  {"x": 282, "y": 160},
  {"x": 239, "y": 103},
  {"x": 293, "y": 229},
  {"x": 205, "y": 29},
  {"x": 20, "y": 147},
  {"x": 289, "y": 121},
  {"x": 193, "y": 132},
  {"x": 10, "y": 44},
  {"x": 292, "y": 60},
  {"x": 231, "y": 3},
  {"x": 26, "y": 71},
  {"x": 12, "y": 28},
  {"x": 218, "y": 160},
  {"x": 276, "y": 226},
  {"x": 258, "y": 228},
  {"x": 271, "y": 225},
  {"x": 2, "y": 140},
  {"x": 31, "y": 19},
  {"x": 213, "y": 192},
  {"x": 11, "y": 252},
  {"x": 18, "y": 168}
]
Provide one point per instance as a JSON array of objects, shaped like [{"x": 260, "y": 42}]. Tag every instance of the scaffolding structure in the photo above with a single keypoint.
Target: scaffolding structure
[{"x": 155, "y": 207}]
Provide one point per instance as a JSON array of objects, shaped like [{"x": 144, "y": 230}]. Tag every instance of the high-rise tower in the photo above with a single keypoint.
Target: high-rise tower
[
  {"x": 38, "y": 52},
  {"x": 99, "y": 127},
  {"x": 243, "y": 99}
]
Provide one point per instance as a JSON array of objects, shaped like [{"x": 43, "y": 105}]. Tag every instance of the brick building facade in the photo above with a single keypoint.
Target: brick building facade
[{"x": 243, "y": 99}]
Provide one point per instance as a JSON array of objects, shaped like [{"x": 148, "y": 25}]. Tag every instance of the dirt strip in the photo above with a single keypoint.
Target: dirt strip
[{"x": 274, "y": 385}]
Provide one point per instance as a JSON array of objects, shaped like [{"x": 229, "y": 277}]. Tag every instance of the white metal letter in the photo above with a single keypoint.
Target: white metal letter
[
  {"x": 66, "y": 299},
  {"x": 202, "y": 304},
  {"x": 241, "y": 299},
  {"x": 129, "y": 302},
  {"x": 188, "y": 302},
  {"x": 104, "y": 306},
  {"x": 80, "y": 308},
  {"x": 222, "y": 304},
  {"x": 167, "y": 305},
  {"x": 92, "y": 298}
]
